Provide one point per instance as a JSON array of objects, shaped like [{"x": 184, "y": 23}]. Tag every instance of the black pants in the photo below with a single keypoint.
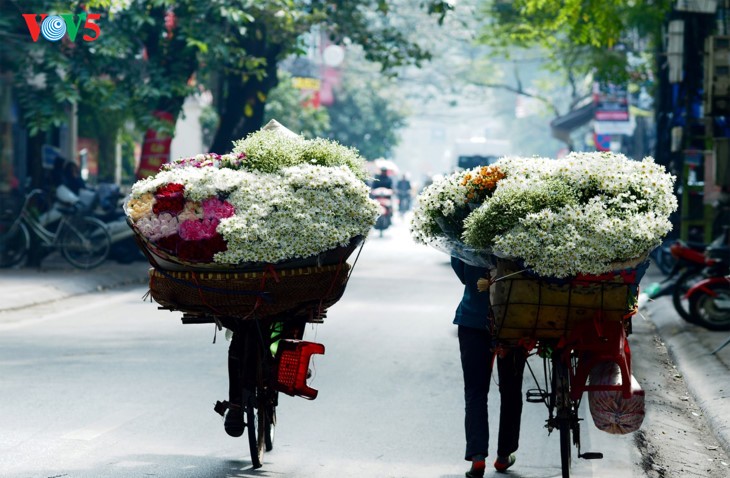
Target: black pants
[
  {"x": 235, "y": 356},
  {"x": 476, "y": 362}
]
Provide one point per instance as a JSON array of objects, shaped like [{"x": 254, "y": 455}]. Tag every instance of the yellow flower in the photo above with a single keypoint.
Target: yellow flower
[{"x": 137, "y": 208}]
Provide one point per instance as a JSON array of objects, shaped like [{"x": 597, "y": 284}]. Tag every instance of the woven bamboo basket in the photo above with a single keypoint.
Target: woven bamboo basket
[
  {"x": 249, "y": 295},
  {"x": 527, "y": 307}
]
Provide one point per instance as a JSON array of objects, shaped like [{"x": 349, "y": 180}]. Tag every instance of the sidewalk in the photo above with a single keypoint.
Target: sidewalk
[
  {"x": 707, "y": 375},
  {"x": 56, "y": 280}
]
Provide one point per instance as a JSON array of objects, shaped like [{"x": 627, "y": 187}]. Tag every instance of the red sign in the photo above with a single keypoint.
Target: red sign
[
  {"x": 612, "y": 102},
  {"x": 155, "y": 149}
]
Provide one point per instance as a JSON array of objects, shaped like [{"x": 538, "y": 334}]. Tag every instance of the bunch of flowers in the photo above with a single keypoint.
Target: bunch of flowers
[
  {"x": 480, "y": 183},
  {"x": 221, "y": 209},
  {"x": 579, "y": 214},
  {"x": 442, "y": 207},
  {"x": 232, "y": 161}
]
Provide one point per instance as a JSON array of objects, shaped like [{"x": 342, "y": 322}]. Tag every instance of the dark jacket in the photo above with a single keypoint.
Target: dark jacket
[{"x": 473, "y": 310}]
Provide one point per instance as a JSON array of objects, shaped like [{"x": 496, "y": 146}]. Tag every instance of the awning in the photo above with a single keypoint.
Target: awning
[{"x": 562, "y": 126}]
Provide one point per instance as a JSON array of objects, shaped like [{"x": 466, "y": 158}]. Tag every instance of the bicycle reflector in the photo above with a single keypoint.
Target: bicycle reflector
[{"x": 292, "y": 370}]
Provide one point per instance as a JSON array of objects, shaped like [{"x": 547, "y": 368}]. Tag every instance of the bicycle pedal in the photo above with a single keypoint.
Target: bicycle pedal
[
  {"x": 591, "y": 455},
  {"x": 536, "y": 395}
]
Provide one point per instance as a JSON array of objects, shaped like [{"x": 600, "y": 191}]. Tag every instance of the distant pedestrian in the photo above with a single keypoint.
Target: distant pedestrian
[{"x": 404, "y": 190}]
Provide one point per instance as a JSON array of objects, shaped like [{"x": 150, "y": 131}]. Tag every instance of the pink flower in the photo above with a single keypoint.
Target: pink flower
[
  {"x": 214, "y": 208},
  {"x": 157, "y": 227},
  {"x": 198, "y": 230}
]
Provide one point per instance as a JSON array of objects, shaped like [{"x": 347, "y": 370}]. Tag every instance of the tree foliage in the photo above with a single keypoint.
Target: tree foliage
[
  {"x": 151, "y": 54},
  {"x": 367, "y": 115},
  {"x": 584, "y": 35},
  {"x": 284, "y": 104}
]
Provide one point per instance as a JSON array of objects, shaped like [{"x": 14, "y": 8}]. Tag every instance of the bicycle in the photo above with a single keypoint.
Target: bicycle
[
  {"x": 83, "y": 241},
  {"x": 574, "y": 326},
  {"x": 561, "y": 402},
  {"x": 269, "y": 358},
  {"x": 266, "y": 308}
]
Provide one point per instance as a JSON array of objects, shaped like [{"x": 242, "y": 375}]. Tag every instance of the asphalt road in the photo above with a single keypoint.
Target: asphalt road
[{"x": 106, "y": 385}]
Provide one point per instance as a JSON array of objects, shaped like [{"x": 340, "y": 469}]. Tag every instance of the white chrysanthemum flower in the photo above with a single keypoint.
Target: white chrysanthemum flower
[{"x": 578, "y": 214}]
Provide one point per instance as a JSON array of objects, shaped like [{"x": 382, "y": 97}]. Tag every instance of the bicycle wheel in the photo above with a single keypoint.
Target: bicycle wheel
[
  {"x": 85, "y": 242},
  {"x": 269, "y": 429},
  {"x": 563, "y": 411},
  {"x": 256, "y": 424},
  {"x": 14, "y": 243}
]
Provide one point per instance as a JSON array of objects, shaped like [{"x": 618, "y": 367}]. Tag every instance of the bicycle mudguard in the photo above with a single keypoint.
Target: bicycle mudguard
[{"x": 292, "y": 367}]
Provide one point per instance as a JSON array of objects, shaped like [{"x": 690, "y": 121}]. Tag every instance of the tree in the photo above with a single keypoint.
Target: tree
[
  {"x": 593, "y": 35},
  {"x": 151, "y": 53},
  {"x": 274, "y": 32},
  {"x": 284, "y": 104},
  {"x": 367, "y": 114},
  {"x": 607, "y": 41}
]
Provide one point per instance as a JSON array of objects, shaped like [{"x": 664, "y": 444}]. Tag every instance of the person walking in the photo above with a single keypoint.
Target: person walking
[
  {"x": 403, "y": 186},
  {"x": 477, "y": 349}
]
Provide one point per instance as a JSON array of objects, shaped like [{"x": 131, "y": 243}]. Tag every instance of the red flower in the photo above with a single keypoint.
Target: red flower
[
  {"x": 168, "y": 243},
  {"x": 170, "y": 189},
  {"x": 202, "y": 250},
  {"x": 169, "y": 198}
]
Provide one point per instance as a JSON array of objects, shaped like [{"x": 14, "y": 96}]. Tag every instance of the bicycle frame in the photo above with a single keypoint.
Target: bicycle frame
[
  {"x": 565, "y": 371},
  {"x": 254, "y": 351},
  {"x": 49, "y": 238}
]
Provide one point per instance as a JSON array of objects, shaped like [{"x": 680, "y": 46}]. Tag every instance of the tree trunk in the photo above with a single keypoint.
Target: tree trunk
[
  {"x": 243, "y": 95},
  {"x": 242, "y": 109}
]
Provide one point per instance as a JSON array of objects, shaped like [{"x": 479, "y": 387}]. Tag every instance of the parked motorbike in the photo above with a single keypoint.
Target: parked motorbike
[
  {"x": 709, "y": 299},
  {"x": 689, "y": 264},
  {"x": 384, "y": 196}
]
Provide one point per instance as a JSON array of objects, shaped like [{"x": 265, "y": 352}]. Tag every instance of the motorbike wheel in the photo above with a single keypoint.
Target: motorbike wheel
[
  {"x": 684, "y": 283},
  {"x": 711, "y": 312}
]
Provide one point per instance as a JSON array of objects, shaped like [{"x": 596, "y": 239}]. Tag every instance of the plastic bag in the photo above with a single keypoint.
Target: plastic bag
[{"x": 611, "y": 412}]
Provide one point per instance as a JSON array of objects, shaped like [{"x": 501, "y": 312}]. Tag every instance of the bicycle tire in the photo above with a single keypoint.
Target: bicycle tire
[
  {"x": 14, "y": 243},
  {"x": 705, "y": 311},
  {"x": 269, "y": 430},
  {"x": 85, "y": 242},
  {"x": 564, "y": 412},
  {"x": 684, "y": 282},
  {"x": 253, "y": 423}
]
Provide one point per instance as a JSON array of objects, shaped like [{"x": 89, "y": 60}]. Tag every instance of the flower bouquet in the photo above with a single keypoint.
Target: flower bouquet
[
  {"x": 442, "y": 208},
  {"x": 276, "y": 202},
  {"x": 569, "y": 237}
]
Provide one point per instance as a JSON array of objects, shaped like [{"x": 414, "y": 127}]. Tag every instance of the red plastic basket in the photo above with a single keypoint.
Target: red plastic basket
[{"x": 292, "y": 369}]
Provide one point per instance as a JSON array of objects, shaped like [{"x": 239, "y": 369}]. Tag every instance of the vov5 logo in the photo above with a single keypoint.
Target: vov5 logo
[{"x": 54, "y": 27}]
